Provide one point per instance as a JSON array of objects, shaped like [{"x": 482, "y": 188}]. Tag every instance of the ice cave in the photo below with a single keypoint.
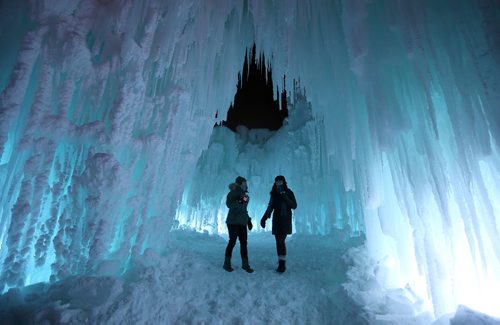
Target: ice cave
[{"x": 123, "y": 122}]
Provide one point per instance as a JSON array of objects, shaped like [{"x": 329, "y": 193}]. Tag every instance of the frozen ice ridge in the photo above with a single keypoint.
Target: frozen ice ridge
[{"x": 107, "y": 139}]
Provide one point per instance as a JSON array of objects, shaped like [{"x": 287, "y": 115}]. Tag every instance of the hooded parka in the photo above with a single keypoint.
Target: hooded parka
[
  {"x": 238, "y": 213},
  {"x": 281, "y": 205}
]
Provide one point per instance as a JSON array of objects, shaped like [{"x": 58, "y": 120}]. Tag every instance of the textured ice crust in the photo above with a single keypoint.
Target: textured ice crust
[
  {"x": 106, "y": 107},
  {"x": 188, "y": 285}
]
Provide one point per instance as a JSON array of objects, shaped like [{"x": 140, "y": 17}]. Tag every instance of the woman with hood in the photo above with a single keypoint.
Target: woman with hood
[
  {"x": 237, "y": 222},
  {"x": 282, "y": 202}
]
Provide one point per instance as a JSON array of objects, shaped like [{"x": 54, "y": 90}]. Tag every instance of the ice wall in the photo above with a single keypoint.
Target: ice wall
[
  {"x": 103, "y": 104},
  {"x": 297, "y": 150},
  {"x": 107, "y": 105}
]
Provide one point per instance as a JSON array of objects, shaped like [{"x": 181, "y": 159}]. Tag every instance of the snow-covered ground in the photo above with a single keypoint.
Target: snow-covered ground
[
  {"x": 187, "y": 285},
  {"x": 107, "y": 108}
]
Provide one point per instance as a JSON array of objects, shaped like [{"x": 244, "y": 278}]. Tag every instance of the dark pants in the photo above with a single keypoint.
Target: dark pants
[
  {"x": 235, "y": 232},
  {"x": 280, "y": 244}
]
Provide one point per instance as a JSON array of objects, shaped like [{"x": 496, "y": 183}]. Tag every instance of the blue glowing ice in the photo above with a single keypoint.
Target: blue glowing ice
[{"x": 106, "y": 108}]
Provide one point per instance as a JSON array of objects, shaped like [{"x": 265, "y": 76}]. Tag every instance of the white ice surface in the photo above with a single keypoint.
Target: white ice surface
[
  {"x": 187, "y": 285},
  {"x": 465, "y": 316},
  {"x": 106, "y": 107}
]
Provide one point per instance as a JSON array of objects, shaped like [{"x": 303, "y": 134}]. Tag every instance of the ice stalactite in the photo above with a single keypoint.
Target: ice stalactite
[
  {"x": 427, "y": 84},
  {"x": 408, "y": 91},
  {"x": 296, "y": 150},
  {"x": 91, "y": 92}
]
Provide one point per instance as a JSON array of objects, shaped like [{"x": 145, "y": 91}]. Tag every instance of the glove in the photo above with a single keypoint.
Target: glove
[
  {"x": 249, "y": 224},
  {"x": 243, "y": 199},
  {"x": 263, "y": 222}
]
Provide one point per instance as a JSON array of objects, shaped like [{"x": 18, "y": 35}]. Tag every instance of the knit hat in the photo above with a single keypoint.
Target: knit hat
[
  {"x": 280, "y": 178},
  {"x": 239, "y": 180}
]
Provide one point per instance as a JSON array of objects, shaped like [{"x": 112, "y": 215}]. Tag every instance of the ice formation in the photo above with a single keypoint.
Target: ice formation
[
  {"x": 106, "y": 107},
  {"x": 296, "y": 150}
]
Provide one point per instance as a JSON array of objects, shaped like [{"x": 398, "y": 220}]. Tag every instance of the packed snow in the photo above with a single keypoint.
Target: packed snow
[
  {"x": 107, "y": 110},
  {"x": 187, "y": 285}
]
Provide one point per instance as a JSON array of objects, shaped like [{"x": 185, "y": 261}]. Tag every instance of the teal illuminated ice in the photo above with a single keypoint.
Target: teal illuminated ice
[{"x": 107, "y": 113}]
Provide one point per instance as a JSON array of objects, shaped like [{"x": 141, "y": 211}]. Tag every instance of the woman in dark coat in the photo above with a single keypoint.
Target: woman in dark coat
[
  {"x": 282, "y": 202},
  {"x": 237, "y": 222}
]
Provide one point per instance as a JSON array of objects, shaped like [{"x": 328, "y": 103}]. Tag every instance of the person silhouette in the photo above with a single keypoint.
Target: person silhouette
[
  {"x": 237, "y": 222},
  {"x": 282, "y": 201}
]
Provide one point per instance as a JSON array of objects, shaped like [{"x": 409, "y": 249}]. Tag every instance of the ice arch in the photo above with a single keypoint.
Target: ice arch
[{"x": 107, "y": 105}]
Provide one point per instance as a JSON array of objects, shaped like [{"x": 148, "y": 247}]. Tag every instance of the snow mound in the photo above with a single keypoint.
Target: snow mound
[{"x": 465, "y": 316}]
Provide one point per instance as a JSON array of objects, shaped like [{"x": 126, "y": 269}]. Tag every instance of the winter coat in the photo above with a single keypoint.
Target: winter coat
[
  {"x": 282, "y": 205},
  {"x": 238, "y": 214}
]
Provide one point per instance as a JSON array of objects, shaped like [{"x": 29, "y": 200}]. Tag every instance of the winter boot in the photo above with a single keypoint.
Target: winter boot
[
  {"x": 227, "y": 264},
  {"x": 245, "y": 266},
  {"x": 281, "y": 265}
]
